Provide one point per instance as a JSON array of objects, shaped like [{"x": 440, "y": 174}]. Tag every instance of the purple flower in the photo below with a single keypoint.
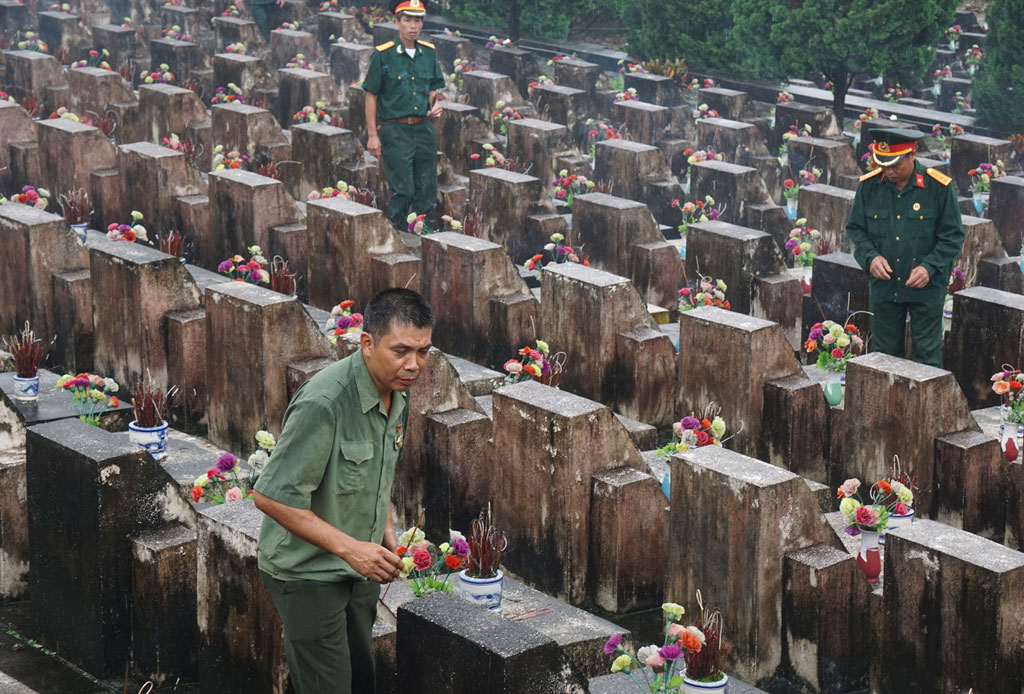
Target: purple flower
[
  {"x": 563, "y": 250},
  {"x": 82, "y": 382},
  {"x": 690, "y": 423},
  {"x": 226, "y": 462},
  {"x": 343, "y": 322},
  {"x": 461, "y": 547},
  {"x": 612, "y": 645},
  {"x": 226, "y": 266},
  {"x": 791, "y": 244},
  {"x": 670, "y": 652},
  {"x": 852, "y": 530},
  {"x": 815, "y": 334}
]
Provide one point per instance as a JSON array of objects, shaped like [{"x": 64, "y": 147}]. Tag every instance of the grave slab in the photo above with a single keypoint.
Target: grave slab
[
  {"x": 734, "y": 187},
  {"x": 72, "y": 152},
  {"x": 244, "y": 208},
  {"x": 986, "y": 331}
]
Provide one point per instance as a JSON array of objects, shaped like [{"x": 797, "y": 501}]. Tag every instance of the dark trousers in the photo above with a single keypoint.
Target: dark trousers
[
  {"x": 409, "y": 151},
  {"x": 327, "y": 633},
  {"x": 262, "y": 14},
  {"x": 889, "y": 329}
]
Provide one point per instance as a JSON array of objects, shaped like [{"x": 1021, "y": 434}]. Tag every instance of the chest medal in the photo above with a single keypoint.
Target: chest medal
[{"x": 399, "y": 438}]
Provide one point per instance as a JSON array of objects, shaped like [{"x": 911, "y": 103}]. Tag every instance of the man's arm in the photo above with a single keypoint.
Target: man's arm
[
  {"x": 950, "y": 236},
  {"x": 373, "y": 561},
  {"x": 372, "y": 140},
  {"x": 390, "y": 540}
]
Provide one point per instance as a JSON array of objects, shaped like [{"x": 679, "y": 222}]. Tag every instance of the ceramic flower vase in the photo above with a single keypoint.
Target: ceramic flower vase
[
  {"x": 482, "y": 591},
  {"x": 81, "y": 231},
  {"x": 784, "y": 159},
  {"x": 868, "y": 558},
  {"x": 936, "y": 89},
  {"x": 947, "y": 309},
  {"x": 682, "y": 247},
  {"x": 666, "y": 484},
  {"x": 953, "y": 44},
  {"x": 153, "y": 439},
  {"x": 791, "y": 208},
  {"x": 833, "y": 388},
  {"x": 896, "y": 521},
  {"x": 805, "y": 278},
  {"x": 695, "y": 687},
  {"x": 26, "y": 389},
  {"x": 1008, "y": 442}
]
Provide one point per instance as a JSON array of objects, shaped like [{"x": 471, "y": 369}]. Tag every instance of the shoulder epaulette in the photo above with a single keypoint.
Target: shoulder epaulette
[
  {"x": 425, "y": 43},
  {"x": 384, "y": 46},
  {"x": 938, "y": 176},
  {"x": 869, "y": 174}
]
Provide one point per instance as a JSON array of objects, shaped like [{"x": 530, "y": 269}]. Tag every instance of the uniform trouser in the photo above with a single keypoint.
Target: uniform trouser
[
  {"x": 261, "y": 14},
  {"x": 410, "y": 164},
  {"x": 889, "y": 329},
  {"x": 327, "y": 633}
]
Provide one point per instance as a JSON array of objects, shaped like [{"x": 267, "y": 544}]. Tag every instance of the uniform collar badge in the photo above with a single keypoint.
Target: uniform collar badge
[{"x": 920, "y": 181}]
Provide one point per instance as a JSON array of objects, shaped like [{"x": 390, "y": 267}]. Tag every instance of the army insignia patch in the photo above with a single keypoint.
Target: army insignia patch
[
  {"x": 920, "y": 181},
  {"x": 399, "y": 438},
  {"x": 917, "y": 206}
]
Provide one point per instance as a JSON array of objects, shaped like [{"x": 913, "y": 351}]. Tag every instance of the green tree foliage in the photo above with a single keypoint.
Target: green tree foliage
[
  {"x": 998, "y": 90},
  {"x": 843, "y": 38},
  {"x": 538, "y": 18}
]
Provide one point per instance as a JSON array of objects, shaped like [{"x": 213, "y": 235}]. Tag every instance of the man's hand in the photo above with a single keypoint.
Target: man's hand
[
  {"x": 919, "y": 278},
  {"x": 280, "y": 3},
  {"x": 373, "y": 561},
  {"x": 373, "y": 144},
  {"x": 435, "y": 110},
  {"x": 880, "y": 269}
]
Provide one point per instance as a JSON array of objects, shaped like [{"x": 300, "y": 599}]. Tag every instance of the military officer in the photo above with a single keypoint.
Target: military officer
[
  {"x": 262, "y": 10},
  {"x": 905, "y": 224},
  {"x": 402, "y": 86}
]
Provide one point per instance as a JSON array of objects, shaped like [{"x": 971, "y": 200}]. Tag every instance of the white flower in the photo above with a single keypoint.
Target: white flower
[
  {"x": 411, "y": 539},
  {"x": 698, "y": 633},
  {"x": 140, "y": 232},
  {"x": 646, "y": 652},
  {"x": 454, "y": 535},
  {"x": 258, "y": 460},
  {"x": 111, "y": 385}
]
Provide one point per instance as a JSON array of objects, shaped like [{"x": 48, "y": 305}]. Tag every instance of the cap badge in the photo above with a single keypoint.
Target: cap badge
[
  {"x": 882, "y": 146},
  {"x": 415, "y": 4}
]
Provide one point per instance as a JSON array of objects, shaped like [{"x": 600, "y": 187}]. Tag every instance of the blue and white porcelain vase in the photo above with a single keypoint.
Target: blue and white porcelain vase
[
  {"x": 26, "y": 389},
  {"x": 695, "y": 687},
  {"x": 896, "y": 521},
  {"x": 153, "y": 439},
  {"x": 82, "y": 231},
  {"x": 482, "y": 591}
]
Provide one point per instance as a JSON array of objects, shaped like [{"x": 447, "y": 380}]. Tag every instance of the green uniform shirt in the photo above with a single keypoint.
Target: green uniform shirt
[
  {"x": 918, "y": 225},
  {"x": 403, "y": 84},
  {"x": 336, "y": 456}
]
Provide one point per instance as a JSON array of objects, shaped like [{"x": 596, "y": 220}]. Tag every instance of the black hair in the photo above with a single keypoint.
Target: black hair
[{"x": 396, "y": 305}]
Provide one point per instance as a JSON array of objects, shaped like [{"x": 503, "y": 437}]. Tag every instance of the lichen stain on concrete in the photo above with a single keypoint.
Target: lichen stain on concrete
[{"x": 108, "y": 472}]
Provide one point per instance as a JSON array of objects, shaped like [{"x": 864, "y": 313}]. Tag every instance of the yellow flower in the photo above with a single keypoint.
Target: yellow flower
[
  {"x": 407, "y": 566},
  {"x": 444, "y": 547},
  {"x": 621, "y": 663},
  {"x": 718, "y": 427},
  {"x": 849, "y": 506},
  {"x": 674, "y": 610},
  {"x": 201, "y": 481},
  {"x": 265, "y": 440},
  {"x": 542, "y": 346}
]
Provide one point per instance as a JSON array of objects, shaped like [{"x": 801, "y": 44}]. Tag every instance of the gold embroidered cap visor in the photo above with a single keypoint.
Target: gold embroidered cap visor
[{"x": 892, "y": 144}]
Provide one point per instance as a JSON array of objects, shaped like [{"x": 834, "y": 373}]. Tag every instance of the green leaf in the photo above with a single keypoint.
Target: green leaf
[{"x": 676, "y": 682}]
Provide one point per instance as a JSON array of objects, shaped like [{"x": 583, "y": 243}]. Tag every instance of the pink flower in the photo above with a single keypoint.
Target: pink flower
[
  {"x": 421, "y": 560},
  {"x": 677, "y": 428},
  {"x": 655, "y": 661},
  {"x": 850, "y": 487},
  {"x": 233, "y": 494},
  {"x": 901, "y": 509},
  {"x": 513, "y": 366},
  {"x": 867, "y": 516},
  {"x": 676, "y": 629}
]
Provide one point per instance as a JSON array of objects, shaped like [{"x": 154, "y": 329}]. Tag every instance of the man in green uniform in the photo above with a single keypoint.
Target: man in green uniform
[
  {"x": 262, "y": 11},
  {"x": 905, "y": 224},
  {"x": 401, "y": 86},
  {"x": 328, "y": 540}
]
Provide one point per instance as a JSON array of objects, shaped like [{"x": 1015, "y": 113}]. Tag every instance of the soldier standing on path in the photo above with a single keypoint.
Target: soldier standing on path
[
  {"x": 402, "y": 85},
  {"x": 905, "y": 224}
]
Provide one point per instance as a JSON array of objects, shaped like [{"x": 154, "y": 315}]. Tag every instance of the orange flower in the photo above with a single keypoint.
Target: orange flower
[
  {"x": 839, "y": 493},
  {"x": 347, "y": 303},
  {"x": 690, "y": 642},
  {"x": 114, "y": 402},
  {"x": 811, "y": 345},
  {"x": 851, "y": 328},
  {"x": 705, "y": 423},
  {"x": 1000, "y": 387},
  {"x": 402, "y": 549},
  {"x": 885, "y": 486},
  {"x": 1015, "y": 385},
  {"x": 726, "y": 305},
  {"x": 453, "y": 562}
]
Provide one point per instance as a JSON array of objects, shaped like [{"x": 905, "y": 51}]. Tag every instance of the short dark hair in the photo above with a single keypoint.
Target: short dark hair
[{"x": 396, "y": 305}]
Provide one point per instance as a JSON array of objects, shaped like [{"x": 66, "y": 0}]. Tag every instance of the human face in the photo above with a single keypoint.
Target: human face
[
  {"x": 397, "y": 358},
  {"x": 409, "y": 29},
  {"x": 899, "y": 173}
]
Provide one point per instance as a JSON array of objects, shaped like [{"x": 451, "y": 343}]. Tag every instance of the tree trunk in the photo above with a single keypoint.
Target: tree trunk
[
  {"x": 840, "y": 85},
  {"x": 515, "y": 9}
]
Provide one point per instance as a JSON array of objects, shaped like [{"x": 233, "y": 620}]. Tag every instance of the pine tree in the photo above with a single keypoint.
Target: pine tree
[{"x": 998, "y": 89}]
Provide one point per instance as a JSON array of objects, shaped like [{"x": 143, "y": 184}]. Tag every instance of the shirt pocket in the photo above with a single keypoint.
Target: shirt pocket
[
  {"x": 355, "y": 460},
  {"x": 878, "y": 223}
]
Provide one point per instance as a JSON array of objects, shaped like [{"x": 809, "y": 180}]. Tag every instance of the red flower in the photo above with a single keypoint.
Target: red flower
[
  {"x": 347, "y": 303},
  {"x": 129, "y": 235},
  {"x": 421, "y": 559},
  {"x": 402, "y": 549},
  {"x": 197, "y": 493},
  {"x": 454, "y": 563},
  {"x": 788, "y": 183},
  {"x": 702, "y": 438},
  {"x": 687, "y": 152},
  {"x": 1015, "y": 385},
  {"x": 115, "y": 403}
]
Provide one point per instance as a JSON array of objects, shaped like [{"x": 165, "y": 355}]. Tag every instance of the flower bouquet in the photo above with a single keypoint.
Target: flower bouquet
[
  {"x": 502, "y": 114},
  {"x": 343, "y": 321},
  {"x": 227, "y": 95},
  {"x": 982, "y": 175},
  {"x": 253, "y": 272},
  {"x": 231, "y": 11},
  {"x": 953, "y": 34},
  {"x": 1008, "y": 384},
  {"x": 662, "y": 668},
  {"x": 288, "y": 26},
  {"x": 864, "y": 520},
  {"x": 705, "y": 111},
  {"x": 237, "y": 48},
  {"x": 176, "y": 33},
  {"x": 221, "y": 483},
  {"x": 33, "y": 43},
  {"x": 694, "y": 213},
  {"x": 697, "y": 430},
  {"x": 834, "y": 344},
  {"x": 894, "y": 94},
  {"x": 313, "y": 114},
  {"x": 494, "y": 41},
  {"x": 536, "y": 364},
  {"x": 897, "y": 494},
  {"x": 568, "y": 187},
  {"x": 95, "y": 59},
  {"x": 783, "y": 97},
  {"x": 64, "y": 113},
  {"x": 124, "y": 232},
  {"x": 791, "y": 133},
  {"x": 600, "y": 132},
  {"x": 707, "y": 292},
  {"x": 961, "y": 103},
  {"x": 558, "y": 253},
  {"x": 493, "y": 158},
  {"x": 957, "y": 282},
  {"x": 802, "y": 244},
  {"x": 161, "y": 76},
  {"x": 77, "y": 210},
  {"x": 4, "y": 96},
  {"x": 541, "y": 80},
  {"x": 91, "y": 395},
  {"x": 258, "y": 460},
  {"x": 627, "y": 95},
  {"x": 188, "y": 147},
  {"x": 429, "y": 572},
  {"x": 233, "y": 159},
  {"x": 299, "y": 61},
  {"x": 38, "y": 198}
]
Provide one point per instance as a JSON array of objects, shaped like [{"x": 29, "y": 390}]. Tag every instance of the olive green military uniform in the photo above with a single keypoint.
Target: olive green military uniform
[
  {"x": 918, "y": 225},
  {"x": 336, "y": 456},
  {"x": 262, "y": 13},
  {"x": 403, "y": 85}
]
